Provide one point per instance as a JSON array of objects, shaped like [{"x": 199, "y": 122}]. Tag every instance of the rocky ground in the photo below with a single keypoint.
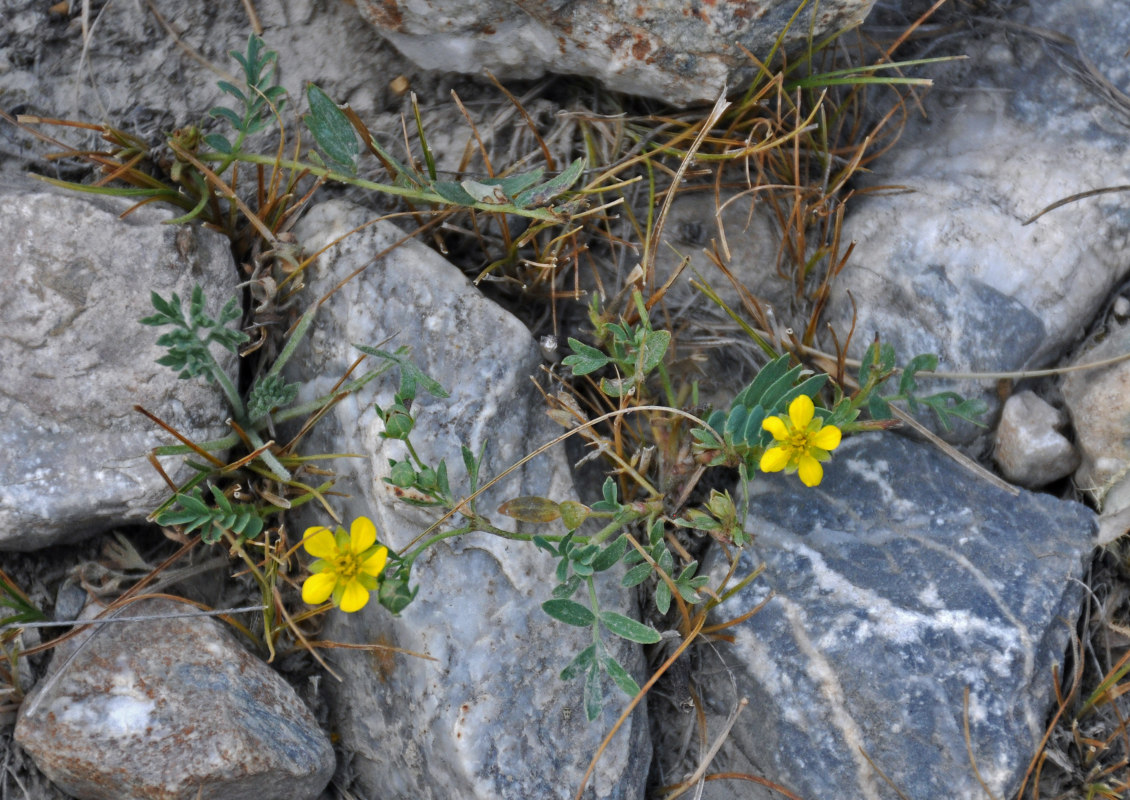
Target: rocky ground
[{"x": 921, "y": 617}]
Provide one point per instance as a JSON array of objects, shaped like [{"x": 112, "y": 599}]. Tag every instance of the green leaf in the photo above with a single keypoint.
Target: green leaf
[
  {"x": 772, "y": 397},
  {"x": 628, "y": 628},
  {"x": 610, "y": 555},
  {"x": 907, "y": 385},
  {"x": 540, "y": 195},
  {"x": 654, "y": 348},
  {"x": 594, "y": 696},
  {"x": 331, "y": 129},
  {"x": 453, "y": 193},
  {"x": 617, "y": 387},
  {"x": 636, "y": 575},
  {"x": 586, "y": 358},
  {"x": 611, "y": 495},
  {"x": 620, "y": 676},
  {"x": 769, "y": 374},
  {"x": 563, "y": 591},
  {"x": 810, "y": 387},
  {"x": 582, "y": 662},
  {"x": 218, "y": 143},
  {"x": 662, "y": 597},
  {"x": 569, "y": 611},
  {"x": 879, "y": 408}
]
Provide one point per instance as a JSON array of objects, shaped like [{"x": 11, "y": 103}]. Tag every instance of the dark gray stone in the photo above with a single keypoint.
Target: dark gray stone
[
  {"x": 898, "y": 584},
  {"x": 951, "y": 268}
]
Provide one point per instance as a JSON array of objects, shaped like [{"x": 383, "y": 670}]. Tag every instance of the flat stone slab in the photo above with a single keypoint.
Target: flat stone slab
[{"x": 898, "y": 585}]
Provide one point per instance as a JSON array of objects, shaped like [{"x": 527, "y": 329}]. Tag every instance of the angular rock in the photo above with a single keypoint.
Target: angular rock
[
  {"x": 1099, "y": 403},
  {"x": 669, "y": 50},
  {"x": 489, "y": 717},
  {"x": 952, "y": 268},
  {"x": 1030, "y": 450},
  {"x": 74, "y": 360},
  {"x": 170, "y": 708},
  {"x": 897, "y": 585}
]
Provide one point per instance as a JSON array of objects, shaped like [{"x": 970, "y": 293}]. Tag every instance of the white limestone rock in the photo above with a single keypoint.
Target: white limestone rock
[
  {"x": 489, "y": 718},
  {"x": 1030, "y": 450}
]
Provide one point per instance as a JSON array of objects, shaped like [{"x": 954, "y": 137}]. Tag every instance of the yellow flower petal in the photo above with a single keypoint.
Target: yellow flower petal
[
  {"x": 318, "y": 588},
  {"x": 362, "y": 535},
  {"x": 811, "y": 473},
  {"x": 801, "y": 411},
  {"x": 354, "y": 597},
  {"x": 777, "y": 427},
  {"x": 319, "y": 542},
  {"x": 376, "y": 562},
  {"x": 827, "y": 438},
  {"x": 774, "y": 459}
]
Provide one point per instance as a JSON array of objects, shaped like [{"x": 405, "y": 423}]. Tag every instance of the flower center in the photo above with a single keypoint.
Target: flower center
[
  {"x": 798, "y": 441},
  {"x": 347, "y": 565}
]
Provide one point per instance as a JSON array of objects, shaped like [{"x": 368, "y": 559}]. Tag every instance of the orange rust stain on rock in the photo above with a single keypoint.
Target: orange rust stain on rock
[
  {"x": 616, "y": 40},
  {"x": 385, "y": 14},
  {"x": 641, "y": 48}
]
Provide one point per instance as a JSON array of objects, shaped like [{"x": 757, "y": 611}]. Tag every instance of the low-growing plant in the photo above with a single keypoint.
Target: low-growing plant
[{"x": 644, "y": 419}]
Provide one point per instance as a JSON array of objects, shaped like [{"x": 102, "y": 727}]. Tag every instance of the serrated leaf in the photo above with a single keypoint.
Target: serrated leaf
[
  {"x": 926, "y": 361},
  {"x": 585, "y": 358},
  {"x": 628, "y": 628},
  {"x": 569, "y": 611},
  {"x": 626, "y": 683},
  {"x": 580, "y": 663},
  {"x": 331, "y": 129}
]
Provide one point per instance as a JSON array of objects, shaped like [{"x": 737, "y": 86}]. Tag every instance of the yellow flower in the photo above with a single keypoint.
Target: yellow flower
[
  {"x": 803, "y": 441},
  {"x": 347, "y": 566}
]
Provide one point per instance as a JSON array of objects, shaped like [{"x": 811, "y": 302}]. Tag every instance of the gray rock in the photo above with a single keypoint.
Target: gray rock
[
  {"x": 668, "y": 50},
  {"x": 751, "y": 237},
  {"x": 488, "y": 718},
  {"x": 74, "y": 360},
  {"x": 1098, "y": 401},
  {"x": 130, "y": 72},
  {"x": 951, "y": 268},
  {"x": 897, "y": 585},
  {"x": 1030, "y": 450},
  {"x": 170, "y": 708}
]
